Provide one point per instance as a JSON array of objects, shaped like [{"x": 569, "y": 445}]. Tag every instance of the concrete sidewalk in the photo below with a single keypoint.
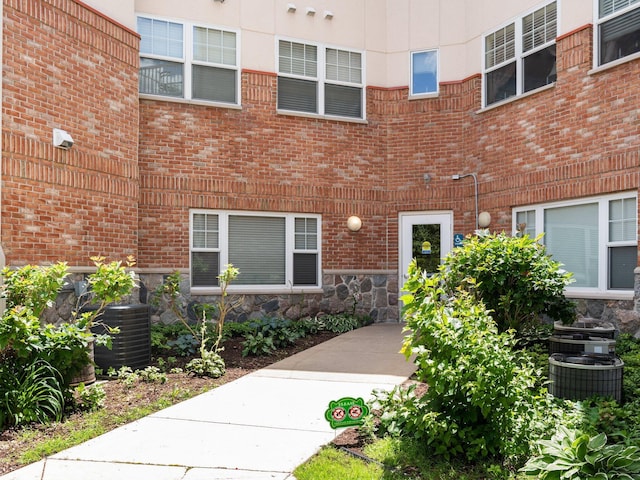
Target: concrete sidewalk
[{"x": 261, "y": 426}]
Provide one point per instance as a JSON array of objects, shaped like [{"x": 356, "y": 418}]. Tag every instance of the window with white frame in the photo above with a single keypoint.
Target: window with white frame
[
  {"x": 188, "y": 61},
  {"x": 618, "y": 29},
  {"x": 320, "y": 80},
  {"x": 521, "y": 56},
  {"x": 270, "y": 250},
  {"x": 424, "y": 72},
  {"x": 595, "y": 239}
]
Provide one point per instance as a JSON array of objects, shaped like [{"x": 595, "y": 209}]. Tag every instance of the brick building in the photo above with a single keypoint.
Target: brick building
[{"x": 248, "y": 132}]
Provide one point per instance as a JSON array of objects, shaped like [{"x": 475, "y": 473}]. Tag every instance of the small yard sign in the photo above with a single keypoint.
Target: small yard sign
[{"x": 346, "y": 412}]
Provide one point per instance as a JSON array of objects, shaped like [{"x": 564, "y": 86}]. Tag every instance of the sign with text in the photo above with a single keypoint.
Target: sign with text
[{"x": 346, "y": 412}]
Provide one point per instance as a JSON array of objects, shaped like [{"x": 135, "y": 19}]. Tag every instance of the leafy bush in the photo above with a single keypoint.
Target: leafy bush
[
  {"x": 89, "y": 398},
  {"x": 30, "y": 289},
  {"x": 235, "y": 329},
  {"x": 33, "y": 287},
  {"x": 29, "y": 393},
  {"x": 574, "y": 455},
  {"x": 339, "y": 323},
  {"x": 256, "y": 344},
  {"x": 209, "y": 364},
  {"x": 513, "y": 276},
  {"x": 281, "y": 331},
  {"x": 184, "y": 345},
  {"x": 481, "y": 395},
  {"x": 307, "y": 326}
]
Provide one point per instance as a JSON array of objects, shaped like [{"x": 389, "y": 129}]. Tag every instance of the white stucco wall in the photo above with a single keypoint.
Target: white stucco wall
[{"x": 386, "y": 29}]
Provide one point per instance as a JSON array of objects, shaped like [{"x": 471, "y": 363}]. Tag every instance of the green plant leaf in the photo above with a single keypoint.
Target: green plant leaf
[{"x": 597, "y": 442}]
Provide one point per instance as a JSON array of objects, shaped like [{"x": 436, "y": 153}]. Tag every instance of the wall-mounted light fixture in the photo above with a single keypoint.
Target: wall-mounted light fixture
[
  {"x": 475, "y": 185},
  {"x": 62, "y": 139},
  {"x": 291, "y": 7},
  {"x": 427, "y": 178},
  {"x": 311, "y": 11},
  {"x": 484, "y": 219},
  {"x": 354, "y": 223},
  {"x": 328, "y": 14},
  {"x": 220, "y": 1}
]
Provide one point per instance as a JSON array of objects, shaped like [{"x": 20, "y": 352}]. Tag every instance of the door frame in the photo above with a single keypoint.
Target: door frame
[{"x": 407, "y": 219}]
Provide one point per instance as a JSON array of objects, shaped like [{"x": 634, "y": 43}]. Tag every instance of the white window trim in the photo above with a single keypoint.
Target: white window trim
[
  {"x": 321, "y": 79},
  {"x": 188, "y": 61},
  {"x": 518, "y": 57},
  {"x": 223, "y": 250},
  {"x": 603, "y": 228},
  {"x": 427, "y": 94},
  {"x": 597, "y": 21}
]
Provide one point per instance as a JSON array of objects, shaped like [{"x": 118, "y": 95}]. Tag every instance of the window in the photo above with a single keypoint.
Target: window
[
  {"x": 188, "y": 61},
  {"x": 270, "y": 250},
  {"x": 596, "y": 239},
  {"x": 320, "y": 80},
  {"x": 618, "y": 29},
  {"x": 521, "y": 56},
  {"x": 424, "y": 72}
]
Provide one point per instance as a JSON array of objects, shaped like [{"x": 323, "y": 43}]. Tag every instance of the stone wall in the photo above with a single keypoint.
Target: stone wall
[{"x": 372, "y": 294}]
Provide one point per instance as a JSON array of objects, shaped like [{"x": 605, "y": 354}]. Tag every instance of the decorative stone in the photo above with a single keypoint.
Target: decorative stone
[{"x": 342, "y": 291}]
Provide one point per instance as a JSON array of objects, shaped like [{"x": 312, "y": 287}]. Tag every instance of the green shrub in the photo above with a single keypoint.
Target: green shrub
[
  {"x": 89, "y": 398},
  {"x": 481, "y": 395},
  {"x": 235, "y": 329},
  {"x": 33, "y": 287},
  {"x": 307, "y": 326},
  {"x": 340, "y": 323},
  {"x": 513, "y": 276},
  {"x": 209, "y": 364},
  {"x": 184, "y": 345},
  {"x": 30, "y": 289},
  {"x": 573, "y": 455},
  {"x": 29, "y": 393},
  {"x": 256, "y": 344},
  {"x": 280, "y": 330}
]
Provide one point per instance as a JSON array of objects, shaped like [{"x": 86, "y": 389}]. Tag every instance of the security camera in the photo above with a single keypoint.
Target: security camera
[{"x": 62, "y": 139}]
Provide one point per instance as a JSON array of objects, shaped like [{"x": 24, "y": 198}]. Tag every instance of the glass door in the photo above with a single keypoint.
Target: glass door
[{"x": 426, "y": 237}]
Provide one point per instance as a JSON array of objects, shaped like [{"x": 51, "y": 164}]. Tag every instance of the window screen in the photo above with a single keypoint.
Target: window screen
[
  {"x": 257, "y": 249},
  {"x": 571, "y": 236}
]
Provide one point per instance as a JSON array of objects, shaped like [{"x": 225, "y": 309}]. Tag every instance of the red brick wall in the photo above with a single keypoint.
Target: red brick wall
[
  {"x": 65, "y": 66},
  {"x": 254, "y": 159},
  {"x": 575, "y": 139}
]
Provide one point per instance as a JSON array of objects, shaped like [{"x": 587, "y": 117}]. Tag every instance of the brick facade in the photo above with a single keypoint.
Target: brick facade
[
  {"x": 138, "y": 166},
  {"x": 66, "y": 66}
]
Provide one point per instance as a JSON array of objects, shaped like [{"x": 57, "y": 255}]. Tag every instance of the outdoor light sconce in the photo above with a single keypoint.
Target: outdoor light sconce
[
  {"x": 311, "y": 11},
  {"x": 62, "y": 139},
  {"x": 221, "y": 1},
  {"x": 427, "y": 178},
  {"x": 475, "y": 185},
  {"x": 354, "y": 223},
  {"x": 328, "y": 14},
  {"x": 484, "y": 219},
  {"x": 291, "y": 7}
]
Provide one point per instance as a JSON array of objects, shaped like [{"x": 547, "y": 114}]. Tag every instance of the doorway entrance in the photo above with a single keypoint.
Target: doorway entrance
[{"x": 427, "y": 237}]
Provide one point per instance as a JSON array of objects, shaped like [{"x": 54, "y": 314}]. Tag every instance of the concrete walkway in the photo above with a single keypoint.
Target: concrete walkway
[{"x": 261, "y": 426}]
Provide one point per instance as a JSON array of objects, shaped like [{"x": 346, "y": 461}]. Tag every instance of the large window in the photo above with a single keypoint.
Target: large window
[
  {"x": 521, "y": 56},
  {"x": 188, "y": 61},
  {"x": 595, "y": 239},
  {"x": 270, "y": 250},
  {"x": 424, "y": 72},
  {"x": 618, "y": 29},
  {"x": 320, "y": 80}
]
